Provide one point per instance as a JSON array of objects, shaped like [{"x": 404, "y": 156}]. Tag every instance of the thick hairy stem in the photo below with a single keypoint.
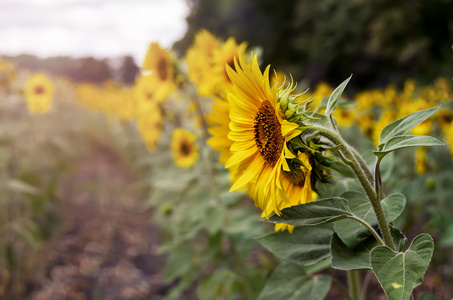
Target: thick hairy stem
[
  {"x": 367, "y": 186},
  {"x": 354, "y": 284}
]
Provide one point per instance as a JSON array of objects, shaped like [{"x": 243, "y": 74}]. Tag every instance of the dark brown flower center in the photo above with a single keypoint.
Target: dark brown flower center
[
  {"x": 268, "y": 133},
  {"x": 162, "y": 69},
  {"x": 185, "y": 148},
  {"x": 39, "y": 89}
]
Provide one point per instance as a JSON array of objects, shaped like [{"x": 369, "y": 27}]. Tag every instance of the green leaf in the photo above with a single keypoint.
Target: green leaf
[
  {"x": 404, "y": 141},
  {"x": 345, "y": 258},
  {"x": 290, "y": 282},
  {"x": 333, "y": 100},
  {"x": 178, "y": 263},
  {"x": 305, "y": 246},
  {"x": 405, "y": 124},
  {"x": 358, "y": 257},
  {"x": 400, "y": 272},
  {"x": 351, "y": 231},
  {"x": 314, "y": 213}
]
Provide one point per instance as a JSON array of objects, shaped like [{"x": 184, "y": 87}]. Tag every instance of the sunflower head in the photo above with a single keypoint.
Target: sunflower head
[
  {"x": 185, "y": 152},
  {"x": 39, "y": 93},
  {"x": 162, "y": 66}
]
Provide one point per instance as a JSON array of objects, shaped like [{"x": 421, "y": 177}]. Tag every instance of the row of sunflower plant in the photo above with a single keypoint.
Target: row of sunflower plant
[
  {"x": 281, "y": 149},
  {"x": 287, "y": 151},
  {"x": 33, "y": 155}
]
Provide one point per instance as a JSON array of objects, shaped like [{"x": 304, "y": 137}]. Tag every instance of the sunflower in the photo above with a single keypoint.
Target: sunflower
[
  {"x": 185, "y": 152},
  {"x": 199, "y": 59},
  {"x": 39, "y": 93},
  {"x": 7, "y": 73},
  {"x": 298, "y": 188},
  {"x": 159, "y": 62},
  {"x": 150, "y": 127},
  {"x": 144, "y": 93},
  {"x": 259, "y": 132},
  {"x": 225, "y": 55}
]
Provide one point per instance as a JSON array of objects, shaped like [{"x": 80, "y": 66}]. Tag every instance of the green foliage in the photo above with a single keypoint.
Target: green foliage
[
  {"x": 400, "y": 272},
  {"x": 333, "y": 99},
  {"x": 405, "y": 141},
  {"x": 305, "y": 246},
  {"x": 291, "y": 282},
  {"x": 404, "y": 125}
]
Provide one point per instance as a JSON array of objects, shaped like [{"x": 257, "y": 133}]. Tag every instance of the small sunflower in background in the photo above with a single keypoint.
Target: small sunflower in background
[
  {"x": 199, "y": 59},
  {"x": 185, "y": 152},
  {"x": 144, "y": 93},
  {"x": 163, "y": 75},
  {"x": 7, "y": 73},
  {"x": 150, "y": 125},
  {"x": 39, "y": 93}
]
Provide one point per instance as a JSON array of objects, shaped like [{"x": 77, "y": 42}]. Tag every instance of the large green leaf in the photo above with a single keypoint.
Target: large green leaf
[
  {"x": 358, "y": 257},
  {"x": 305, "y": 246},
  {"x": 351, "y": 231},
  {"x": 404, "y": 141},
  {"x": 400, "y": 272},
  {"x": 290, "y": 282},
  {"x": 333, "y": 100},
  {"x": 314, "y": 213},
  {"x": 405, "y": 124}
]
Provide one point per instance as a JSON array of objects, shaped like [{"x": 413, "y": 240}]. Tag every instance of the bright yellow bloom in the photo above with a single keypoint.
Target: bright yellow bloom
[
  {"x": 259, "y": 132},
  {"x": 298, "y": 189},
  {"x": 144, "y": 93},
  {"x": 159, "y": 62},
  {"x": 219, "y": 121},
  {"x": 150, "y": 127},
  {"x": 185, "y": 152},
  {"x": 225, "y": 56},
  {"x": 199, "y": 59},
  {"x": 39, "y": 93},
  {"x": 449, "y": 137},
  {"x": 387, "y": 117}
]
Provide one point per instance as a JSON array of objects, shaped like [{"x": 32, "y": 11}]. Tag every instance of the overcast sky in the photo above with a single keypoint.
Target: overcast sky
[{"x": 100, "y": 28}]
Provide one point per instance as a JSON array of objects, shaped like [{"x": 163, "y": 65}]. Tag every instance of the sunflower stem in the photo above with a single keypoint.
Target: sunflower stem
[
  {"x": 350, "y": 159},
  {"x": 355, "y": 291}
]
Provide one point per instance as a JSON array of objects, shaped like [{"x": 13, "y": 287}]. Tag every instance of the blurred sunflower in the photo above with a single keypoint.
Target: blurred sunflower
[
  {"x": 163, "y": 74},
  {"x": 199, "y": 59},
  {"x": 185, "y": 152},
  {"x": 144, "y": 94},
  {"x": 39, "y": 93},
  {"x": 219, "y": 121},
  {"x": 225, "y": 56},
  {"x": 150, "y": 127},
  {"x": 7, "y": 72},
  {"x": 259, "y": 132}
]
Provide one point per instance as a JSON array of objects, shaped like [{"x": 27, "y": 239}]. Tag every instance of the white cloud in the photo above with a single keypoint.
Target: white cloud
[{"x": 89, "y": 27}]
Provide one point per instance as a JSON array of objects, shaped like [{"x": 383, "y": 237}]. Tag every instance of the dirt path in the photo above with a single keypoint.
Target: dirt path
[{"x": 109, "y": 247}]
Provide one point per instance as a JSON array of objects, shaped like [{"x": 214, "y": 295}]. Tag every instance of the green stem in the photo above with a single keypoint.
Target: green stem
[
  {"x": 370, "y": 228},
  {"x": 377, "y": 181},
  {"x": 367, "y": 186},
  {"x": 354, "y": 285}
]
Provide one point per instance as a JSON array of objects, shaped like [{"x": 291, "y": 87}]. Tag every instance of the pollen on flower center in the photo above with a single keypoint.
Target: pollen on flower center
[
  {"x": 185, "y": 149},
  {"x": 39, "y": 90},
  {"x": 162, "y": 69},
  {"x": 268, "y": 133}
]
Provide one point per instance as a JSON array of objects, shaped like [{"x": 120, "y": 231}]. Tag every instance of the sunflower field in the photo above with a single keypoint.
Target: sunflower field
[{"x": 215, "y": 176}]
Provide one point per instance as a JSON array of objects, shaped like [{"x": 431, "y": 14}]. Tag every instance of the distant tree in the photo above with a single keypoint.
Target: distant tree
[{"x": 128, "y": 70}]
